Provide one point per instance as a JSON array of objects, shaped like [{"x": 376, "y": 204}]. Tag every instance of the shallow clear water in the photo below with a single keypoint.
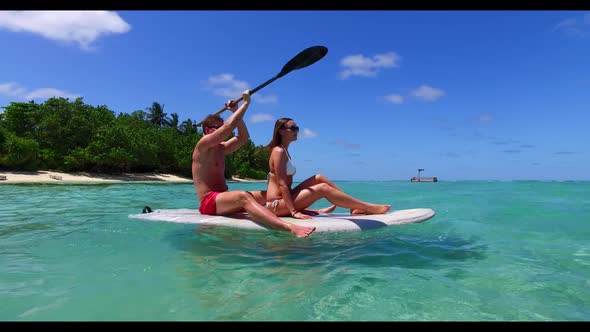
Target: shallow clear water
[{"x": 494, "y": 251}]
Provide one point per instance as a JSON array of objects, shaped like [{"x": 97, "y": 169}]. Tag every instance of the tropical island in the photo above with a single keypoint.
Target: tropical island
[{"x": 60, "y": 138}]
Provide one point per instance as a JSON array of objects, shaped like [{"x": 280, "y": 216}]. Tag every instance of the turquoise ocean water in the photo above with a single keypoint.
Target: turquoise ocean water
[{"x": 494, "y": 251}]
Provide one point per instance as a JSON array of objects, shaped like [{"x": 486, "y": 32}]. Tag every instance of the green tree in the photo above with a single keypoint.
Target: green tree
[
  {"x": 184, "y": 152},
  {"x": 66, "y": 126},
  {"x": 156, "y": 114},
  {"x": 139, "y": 115},
  {"x": 73, "y": 136},
  {"x": 173, "y": 122},
  {"x": 17, "y": 153},
  {"x": 22, "y": 118},
  {"x": 249, "y": 161},
  {"x": 187, "y": 127}
]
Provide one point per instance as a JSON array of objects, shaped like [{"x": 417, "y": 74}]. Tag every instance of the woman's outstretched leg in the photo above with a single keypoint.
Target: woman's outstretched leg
[
  {"x": 306, "y": 197},
  {"x": 317, "y": 179}
]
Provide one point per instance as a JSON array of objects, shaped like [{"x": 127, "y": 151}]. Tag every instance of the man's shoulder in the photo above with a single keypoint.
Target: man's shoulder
[{"x": 207, "y": 144}]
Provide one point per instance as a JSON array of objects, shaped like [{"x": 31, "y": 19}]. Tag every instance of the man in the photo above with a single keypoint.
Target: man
[{"x": 209, "y": 168}]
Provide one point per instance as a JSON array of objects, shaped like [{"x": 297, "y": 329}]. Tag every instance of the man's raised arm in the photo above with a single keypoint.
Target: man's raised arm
[
  {"x": 234, "y": 121},
  {"x": 236, "y": 142}
]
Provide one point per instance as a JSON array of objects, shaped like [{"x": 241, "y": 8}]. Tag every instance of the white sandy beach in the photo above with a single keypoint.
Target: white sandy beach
[
  {"x": 237, "y": 179},
  {"x": 83, "y": 177}
]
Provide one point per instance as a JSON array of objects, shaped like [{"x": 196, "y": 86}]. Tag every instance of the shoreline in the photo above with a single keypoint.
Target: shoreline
[
  {"x": 44, "y": 177},
  {"x": 237, "y": 179},
  {"x": 85, "y": 177},
  {"x": 23, "y": 177}
]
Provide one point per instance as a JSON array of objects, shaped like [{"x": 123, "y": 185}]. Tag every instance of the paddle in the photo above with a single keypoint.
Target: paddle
[{"x": 305, "y": 58}]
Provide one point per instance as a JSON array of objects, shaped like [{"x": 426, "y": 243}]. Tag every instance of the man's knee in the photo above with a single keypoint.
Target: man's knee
[
  {"x": 323, "y": 187},
  {"x": 244, "y": 196},
  {"x": 259, "y": 196}
]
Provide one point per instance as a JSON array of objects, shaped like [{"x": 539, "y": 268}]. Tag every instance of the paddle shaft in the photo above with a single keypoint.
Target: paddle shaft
[
  {"x": 251, "y": 93},
  {"x": 305, "y": 58}
]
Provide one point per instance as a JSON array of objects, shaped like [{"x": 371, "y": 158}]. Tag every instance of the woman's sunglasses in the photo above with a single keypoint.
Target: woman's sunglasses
[{"x": 293, "y": 128}]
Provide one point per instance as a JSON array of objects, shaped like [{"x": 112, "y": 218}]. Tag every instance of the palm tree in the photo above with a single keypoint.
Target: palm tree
[
  {"x": 187, "y": 126},
  {"x": 173, "y": 121},
  {"x": 156, "y": 114}
]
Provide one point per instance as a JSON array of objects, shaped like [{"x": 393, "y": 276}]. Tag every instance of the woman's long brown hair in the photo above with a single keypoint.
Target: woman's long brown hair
[{"x": 276, "y": 137}]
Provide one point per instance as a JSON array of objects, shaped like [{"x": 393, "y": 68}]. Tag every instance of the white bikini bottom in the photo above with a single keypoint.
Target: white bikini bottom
[{"x": 274, "y": 204}]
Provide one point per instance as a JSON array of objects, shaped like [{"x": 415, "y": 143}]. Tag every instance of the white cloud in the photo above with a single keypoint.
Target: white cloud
[
  {"x": 82, "y": 27},
  {"x": 261, "y": 117},
  {"x": 45, "y": 93},
  {"x": 307, "y": 133},
  {"x": 226, "y": 85},
  {"x": 13, "y": 90},
  {"x": 428, "y": 93},
  {"x": 575, "y": 26},
  {"x": 394, "y": 99},
  {"x": 369, "y": 67},
  {"x": 486, "y": 118},
  {"x": 265, "y": 99}
]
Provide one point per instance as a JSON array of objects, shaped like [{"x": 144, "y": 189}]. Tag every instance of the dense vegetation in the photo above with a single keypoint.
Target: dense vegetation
[{"x": 71, "y": 136}]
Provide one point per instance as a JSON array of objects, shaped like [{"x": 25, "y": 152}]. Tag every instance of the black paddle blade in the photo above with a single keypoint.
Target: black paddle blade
[{"x": 305, "y": 58}]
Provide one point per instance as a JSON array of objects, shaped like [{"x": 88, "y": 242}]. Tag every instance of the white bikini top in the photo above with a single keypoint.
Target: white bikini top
[{"x": 291, "y": 170}]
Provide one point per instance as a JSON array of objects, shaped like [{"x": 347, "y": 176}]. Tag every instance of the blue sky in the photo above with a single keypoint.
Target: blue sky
[{"x": 466, "y": 95}]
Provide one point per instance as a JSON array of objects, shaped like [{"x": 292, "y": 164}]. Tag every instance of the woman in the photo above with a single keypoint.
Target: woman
[{"x": 283, "y": 200}]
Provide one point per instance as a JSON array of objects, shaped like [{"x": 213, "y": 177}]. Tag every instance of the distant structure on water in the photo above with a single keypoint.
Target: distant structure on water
[{"x": 423, "y": 179}]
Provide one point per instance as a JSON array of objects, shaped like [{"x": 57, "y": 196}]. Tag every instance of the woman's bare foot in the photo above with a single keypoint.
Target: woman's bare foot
[
  {"x": 378, "y": 209},
  {"x": 357, "y": 211},
  {"x": 327, "y": 210},
  {"x": 301, "y": 231}
]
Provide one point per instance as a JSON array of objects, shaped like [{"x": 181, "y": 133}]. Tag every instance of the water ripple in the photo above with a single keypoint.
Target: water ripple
[{"x": 71, "y": 253}]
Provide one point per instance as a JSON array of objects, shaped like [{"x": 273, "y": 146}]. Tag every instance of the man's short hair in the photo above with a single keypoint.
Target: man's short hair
[{"x": 211, "y": 120}]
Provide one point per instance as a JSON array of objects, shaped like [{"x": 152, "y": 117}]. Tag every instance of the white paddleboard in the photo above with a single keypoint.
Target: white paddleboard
[{"x": 325, "y": 223}]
